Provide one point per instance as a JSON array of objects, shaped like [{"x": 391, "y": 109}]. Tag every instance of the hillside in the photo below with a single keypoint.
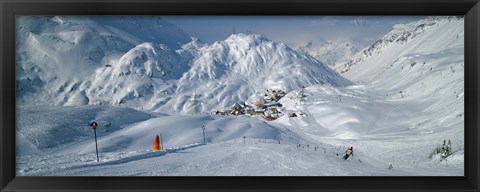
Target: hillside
[
  {"x": 58, "y": 57},
  {"x": 431, "y": 35}
]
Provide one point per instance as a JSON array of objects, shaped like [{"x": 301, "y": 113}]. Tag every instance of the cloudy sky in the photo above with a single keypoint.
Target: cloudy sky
[{"x": 292, "y": 30}]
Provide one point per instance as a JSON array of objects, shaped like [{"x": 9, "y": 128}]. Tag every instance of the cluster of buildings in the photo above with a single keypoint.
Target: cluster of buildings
[{"x": 267, "y": 107}]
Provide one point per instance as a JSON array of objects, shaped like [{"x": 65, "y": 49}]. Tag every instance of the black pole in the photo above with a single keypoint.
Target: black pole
[
  {"x": 96, "y": 146},
  {"x": 204, "y": 139}
]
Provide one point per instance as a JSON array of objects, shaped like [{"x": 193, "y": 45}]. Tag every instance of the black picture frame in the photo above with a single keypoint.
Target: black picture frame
[{"x": 10, "y": 8}]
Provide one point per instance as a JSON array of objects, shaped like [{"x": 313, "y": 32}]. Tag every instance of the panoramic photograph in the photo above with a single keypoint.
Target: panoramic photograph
[{"x": 240, "y": 96}]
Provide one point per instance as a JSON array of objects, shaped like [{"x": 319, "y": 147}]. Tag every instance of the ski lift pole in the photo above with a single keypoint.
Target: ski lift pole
[
  {"x": 204, "y": 139},
  {"x": 96, "y": 145},
  {"x": 94, "y": 127}
]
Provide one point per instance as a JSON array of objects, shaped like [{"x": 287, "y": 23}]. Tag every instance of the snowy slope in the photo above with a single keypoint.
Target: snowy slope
[
  {"x": 58, "y": 56},
  {"x": 434, "y": 34},
  {"x": 409, "y": 89},
  {"x": 331, "y": 52},
  {"x": 384, "y": 126},
  {"x": 45, "y": 128},
  {"x": 232, "y": 158},
  {"x": 422, "y": 63},
  {"x": 141, "y": 73},
  {"x": 242, "y": 67},
  {"x": 268, "y": 149}
]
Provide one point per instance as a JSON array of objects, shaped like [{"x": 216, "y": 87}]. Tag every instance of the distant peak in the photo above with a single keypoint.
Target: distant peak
[
  {"x": 146, "y": 45},
  {"x": 194, "y": 43},
  {"x": 194, "y": 39},
  {"x": 247, "y": 37}
]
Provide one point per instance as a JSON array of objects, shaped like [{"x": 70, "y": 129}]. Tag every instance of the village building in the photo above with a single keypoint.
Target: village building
[{"x": 267, "y": 107}]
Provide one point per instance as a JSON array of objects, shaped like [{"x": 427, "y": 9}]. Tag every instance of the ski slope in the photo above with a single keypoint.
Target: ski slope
[{"x": 269, "y": 148}]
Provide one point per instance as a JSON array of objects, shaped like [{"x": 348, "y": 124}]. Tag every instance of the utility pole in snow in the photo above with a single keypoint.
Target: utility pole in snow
[
  {"x": 94, "y": 126},
  {"x": 204, "y": 139}
]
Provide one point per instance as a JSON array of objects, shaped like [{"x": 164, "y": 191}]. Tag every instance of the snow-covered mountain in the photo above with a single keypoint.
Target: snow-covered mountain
[
  {"x": 331, "y": 52},
  {"x": 433, "y": 34},
  {"x": 92, "y": 61},
  {"x": 242, "y": 67},
  {"x": 140, "y": 73},
  {"x": 57, "y": 57},
  {"x": 420, "y": 62}
]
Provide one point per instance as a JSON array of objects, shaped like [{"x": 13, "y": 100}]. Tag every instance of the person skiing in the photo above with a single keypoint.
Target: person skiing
[{"x": 348, "y": 153}]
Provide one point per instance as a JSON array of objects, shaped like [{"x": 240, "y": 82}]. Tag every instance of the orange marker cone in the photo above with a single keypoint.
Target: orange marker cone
[{"x": 156, "y": 144}]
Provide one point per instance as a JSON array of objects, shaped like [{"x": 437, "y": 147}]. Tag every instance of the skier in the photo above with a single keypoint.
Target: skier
[{"x": 348, "y": 153}]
